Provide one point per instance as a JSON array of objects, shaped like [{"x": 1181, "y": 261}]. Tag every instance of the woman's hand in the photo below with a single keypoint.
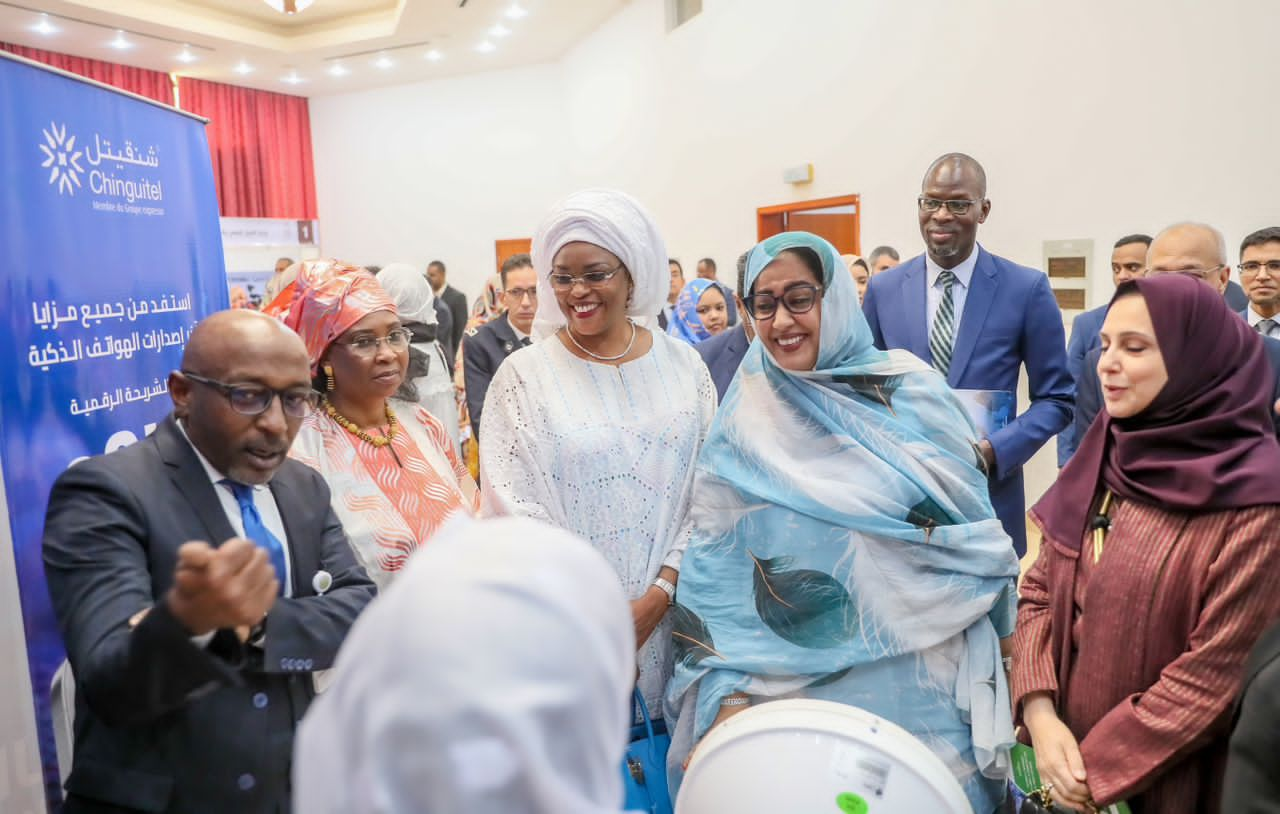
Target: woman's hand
[
  {"x": 725, "y": 713},
  {"x": 1057, "y": 754},
  {"x": 647, "y": 613}
]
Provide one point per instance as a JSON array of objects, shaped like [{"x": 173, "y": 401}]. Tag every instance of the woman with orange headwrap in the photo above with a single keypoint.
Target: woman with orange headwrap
[{"x": 390, "y": 465}]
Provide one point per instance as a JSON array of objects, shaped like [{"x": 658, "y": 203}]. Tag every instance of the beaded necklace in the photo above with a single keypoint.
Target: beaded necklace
[{"x": 350, "y": 426}]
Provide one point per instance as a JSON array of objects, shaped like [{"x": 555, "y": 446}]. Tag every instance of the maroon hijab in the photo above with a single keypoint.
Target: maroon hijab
[{"x": 1206, "y": 443}]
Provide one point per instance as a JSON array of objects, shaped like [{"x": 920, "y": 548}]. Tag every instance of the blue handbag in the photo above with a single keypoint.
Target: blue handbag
[{"x": 644, "y": 766}]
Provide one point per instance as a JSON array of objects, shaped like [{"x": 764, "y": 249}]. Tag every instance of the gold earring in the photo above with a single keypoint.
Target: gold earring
[{"x": 328, "y": 374}]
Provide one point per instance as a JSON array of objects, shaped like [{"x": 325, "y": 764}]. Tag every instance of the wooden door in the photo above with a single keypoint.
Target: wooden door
[
  {"x": 503, "y": 249},
  {"x": 838, "y": 220}
]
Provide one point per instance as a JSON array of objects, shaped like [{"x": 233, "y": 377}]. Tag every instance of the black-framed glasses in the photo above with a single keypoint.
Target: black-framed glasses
[
  {"x": 1253, "y": 267},
  {"x": 798, "y": 299},
  {"x": 518, "y": 294},
  {"x": 562, "y": 281},
  {"x": 397, "y": 340},
  {"x": 955, "y": 207},
  {"x": 255, "y": 399}
]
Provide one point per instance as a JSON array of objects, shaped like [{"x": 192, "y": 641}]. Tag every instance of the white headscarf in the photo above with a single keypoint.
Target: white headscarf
[
  {"x": 412, "y": 294},
  {"x": 616, "y": 222},
  {"x": 493, "y": 677}
]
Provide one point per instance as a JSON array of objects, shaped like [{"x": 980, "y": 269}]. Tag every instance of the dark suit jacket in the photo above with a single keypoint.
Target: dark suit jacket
[
  {"x": 457, "y": 302},
  {"x": 1252, "y": 783},
  {"x": 722, "y": 355},
  {"x": 1010, "y": 318},
  {"x": 163, "y": 725},
  {"x": 483, "y": 352},
  {"x": 444, "y": 332},
  {"x": 1084, "y": 338},
  {"x": 1089, "y": 391}
]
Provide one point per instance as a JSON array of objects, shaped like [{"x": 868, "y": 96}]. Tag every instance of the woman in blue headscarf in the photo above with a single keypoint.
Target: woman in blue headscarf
[
  {"x": 843, "y": 544},
  {"x": 701, "y": 311}
]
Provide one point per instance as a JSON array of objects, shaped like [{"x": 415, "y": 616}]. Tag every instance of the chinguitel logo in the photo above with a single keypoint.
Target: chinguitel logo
[{"x": 62, "y": 159}]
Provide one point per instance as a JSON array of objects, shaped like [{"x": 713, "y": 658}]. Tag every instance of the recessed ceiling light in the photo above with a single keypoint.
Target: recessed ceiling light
[
  {"x": 293, "y": 78},
  {"x": 338, "y": 69},
  {"x": 499, "y": 30},
  {"x": 44, "y": 26},
  {"x": 434, "y": 55},
  {"x": 485, "y": 47},
  {"x": 516, "y": 12},
  {"x": 185, "y": 55},
  {"x": 383, "y": 63},
  {"x": 120, "y": 43},
  {"x": 243, "y": 68}
]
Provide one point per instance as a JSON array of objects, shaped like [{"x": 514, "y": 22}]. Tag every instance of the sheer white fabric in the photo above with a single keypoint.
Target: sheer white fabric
[
  {"x": 605, "y": 452},
  {"x": 436, "y": 394}
]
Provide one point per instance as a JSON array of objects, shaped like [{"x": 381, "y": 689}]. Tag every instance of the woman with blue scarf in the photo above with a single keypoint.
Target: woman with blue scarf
[
  {"x": 701, "y": 311},
  {"x": 843, "y": 543}
]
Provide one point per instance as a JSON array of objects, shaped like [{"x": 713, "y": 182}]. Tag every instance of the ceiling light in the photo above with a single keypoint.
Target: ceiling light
[
  {"x": 485, "y": 47},
  {"x": 44, "y": 26},
  {"x": 516, "y": 12},
  {"x": 186, "y": 56},
  {"x": 434, "y": 55},
  {"x": 293, "y": 78},
  {"x": 383, "y": 63},
  {"x": 499, "y": 30},
  {"x": 243, "y": 68},
  {"x": 289, "y": 6},
  {"x": 120, "y": 43},
  {"x": 338, "y": 69}
]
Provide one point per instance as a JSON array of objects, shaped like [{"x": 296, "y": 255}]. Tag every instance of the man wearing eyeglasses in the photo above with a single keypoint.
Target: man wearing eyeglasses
[
  {"x": 978, "y": 318},
  {"x": 1260, "y": 276},
  {"x": 485, "y": 347},
  {"x": 200, "y": 578}
]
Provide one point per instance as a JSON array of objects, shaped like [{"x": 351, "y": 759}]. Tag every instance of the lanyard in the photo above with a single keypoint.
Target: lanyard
[{"x": 1100, "y": 528}]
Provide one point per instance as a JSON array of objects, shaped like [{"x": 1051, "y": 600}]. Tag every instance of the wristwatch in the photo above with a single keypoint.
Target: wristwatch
[{"x": 668, "y": 588}]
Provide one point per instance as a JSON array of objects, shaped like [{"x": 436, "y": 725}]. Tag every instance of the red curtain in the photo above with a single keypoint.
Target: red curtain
[
  {"x": 261, "y": 146},
  {"x": 151, "y": 84}
]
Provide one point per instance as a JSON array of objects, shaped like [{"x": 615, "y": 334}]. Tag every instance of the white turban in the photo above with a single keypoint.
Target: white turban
[
  {"x": 493, "y": 677},
  {"x": 409, "y": 289},
  {"x": 616, "y": 222}
]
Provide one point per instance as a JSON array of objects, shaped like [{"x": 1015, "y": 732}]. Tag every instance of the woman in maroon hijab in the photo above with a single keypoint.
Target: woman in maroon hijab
[{"x": 1157, "y": 568}]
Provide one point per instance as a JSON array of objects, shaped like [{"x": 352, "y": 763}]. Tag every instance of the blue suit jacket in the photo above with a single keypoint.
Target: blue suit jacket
[
  {"x": 722, "y": 355},
  {"x": 1010, "y": 318},
  {"x": 1084, "y": 338}
]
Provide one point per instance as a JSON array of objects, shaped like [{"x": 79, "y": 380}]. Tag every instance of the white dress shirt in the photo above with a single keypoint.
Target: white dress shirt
[
  {"x": 1254, "y": 318},
  {"x": 964, "y": 275},
  {"x": 263, "y": 500}
]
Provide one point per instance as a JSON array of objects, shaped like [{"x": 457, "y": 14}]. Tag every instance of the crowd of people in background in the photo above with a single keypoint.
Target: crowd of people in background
[{"x": 808, "y": 483}]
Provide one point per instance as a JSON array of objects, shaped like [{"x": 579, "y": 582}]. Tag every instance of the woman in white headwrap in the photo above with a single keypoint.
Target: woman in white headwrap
[
  {"x": 595, "y": 427},
  {"x": 492, "y": 678},
  {"x": 428, "y": 367}
]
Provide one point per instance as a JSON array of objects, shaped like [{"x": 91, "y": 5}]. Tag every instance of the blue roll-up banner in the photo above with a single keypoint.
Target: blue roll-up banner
[{"x": 110, "y": 251}]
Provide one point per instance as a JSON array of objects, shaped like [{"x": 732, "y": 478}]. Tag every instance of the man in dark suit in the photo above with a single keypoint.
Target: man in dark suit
[
  {"x": 977, "y": 318},
  {"x": 453, "y": 298},
  {"x": 1128, "y": 260},
  {"x": 194, "y": 661},
  {"x": 723, "y": 353},
  {"x": 673, "y": 293},
  {"x": 1252, "y": 784},
  {"x": 1187, "y": 248},
  {"x": 488, "y": 345},
  {"x": 1260, "y": 273}
]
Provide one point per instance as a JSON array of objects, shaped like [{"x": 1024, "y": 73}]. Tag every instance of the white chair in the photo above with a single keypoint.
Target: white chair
[
  {"x": 62, "y": 703},
  {"x": 805, "y": 755}
]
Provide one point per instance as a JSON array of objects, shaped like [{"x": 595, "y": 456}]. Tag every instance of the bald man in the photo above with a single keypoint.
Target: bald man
[
  {"x": 1194, "y": 249},
  {"x": 200, "y": 578},
  {"x": 978, "y": 318}
]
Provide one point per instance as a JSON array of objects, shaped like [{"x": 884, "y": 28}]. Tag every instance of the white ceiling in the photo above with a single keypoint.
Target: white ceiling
[{"x": 376, "y": 42}]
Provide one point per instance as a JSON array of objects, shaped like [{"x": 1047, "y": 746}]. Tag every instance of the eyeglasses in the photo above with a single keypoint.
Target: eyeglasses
[
  {"x": 956, "y": 207},
  {"x": 1203, "y": 274},
  {"x": 397, "y": 340},
  {"x": 561, "y": 281},
  {"x": 1253, "y": 267},
  {"x": 255, "y": 399},
  {"x": 797, "y": 300},
  {"x": 518, "y": 294}
]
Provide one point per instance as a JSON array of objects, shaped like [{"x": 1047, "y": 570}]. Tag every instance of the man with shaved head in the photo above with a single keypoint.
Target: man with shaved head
[
  {"x": 1196, "y": 250},
  {"x": 978, "y": 318},
  {"x": 200, "y": 579}
]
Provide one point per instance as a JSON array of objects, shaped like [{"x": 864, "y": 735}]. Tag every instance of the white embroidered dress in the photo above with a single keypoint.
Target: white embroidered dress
[{"x": 606, "y": 452}]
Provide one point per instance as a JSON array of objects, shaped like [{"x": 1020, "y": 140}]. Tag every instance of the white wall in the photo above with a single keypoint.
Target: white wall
[{"x": 1094, "y": 119}]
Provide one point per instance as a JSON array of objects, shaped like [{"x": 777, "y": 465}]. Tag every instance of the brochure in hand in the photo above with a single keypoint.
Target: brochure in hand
[{"x": 1026, "y": 779}]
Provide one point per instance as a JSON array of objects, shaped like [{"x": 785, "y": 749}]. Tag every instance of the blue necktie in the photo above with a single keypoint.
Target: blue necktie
[{"x": 255, "y": 530}]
